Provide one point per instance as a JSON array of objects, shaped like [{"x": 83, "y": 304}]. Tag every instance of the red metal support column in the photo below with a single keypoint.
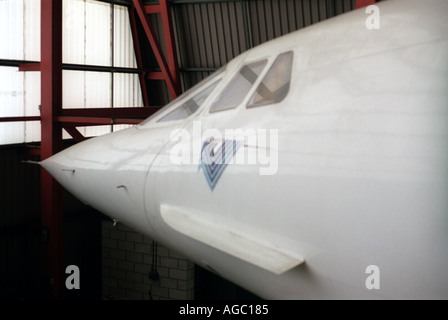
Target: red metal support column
[
  {"x": 364, "y": 3},
  {"x": 138, "y": 55},
  {"x": 51, "y": 140},
  {"x": 170, "y": 43},
  {"x": 168, "y": 65}
]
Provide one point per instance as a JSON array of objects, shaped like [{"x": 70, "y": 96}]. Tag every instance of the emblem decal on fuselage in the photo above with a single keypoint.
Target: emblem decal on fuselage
[{"x": 215, "y": 156}]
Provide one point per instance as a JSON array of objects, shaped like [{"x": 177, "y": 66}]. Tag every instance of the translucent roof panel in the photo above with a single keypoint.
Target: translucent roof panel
[
  {"x": 87, "y": 32},
  {"x": 20, "y": 30},
  {"x": 127, "y": 91},
  {"x": 19, "y": 96},
  {"x": 94, "y": 33},
  {"x": 123, "y": 42}
]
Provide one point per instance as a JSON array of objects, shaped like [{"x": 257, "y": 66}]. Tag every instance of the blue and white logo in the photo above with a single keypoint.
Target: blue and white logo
[{"x": 215, "y": 156}]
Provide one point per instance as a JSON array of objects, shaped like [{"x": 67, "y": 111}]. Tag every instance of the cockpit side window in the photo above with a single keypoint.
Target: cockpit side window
[
  {"x": 275, "y": 84},
  {"x": 184, "y": 106},
  {"x": 190, "y": 106},
  {"x": 238, "y": 87}
]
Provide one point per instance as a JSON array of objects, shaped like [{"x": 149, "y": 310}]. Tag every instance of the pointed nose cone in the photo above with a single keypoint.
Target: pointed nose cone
[
  {"x": 58, "y": 166},
  {"x": 77, "y": 169},
  {"x": 107, "y": 173}
]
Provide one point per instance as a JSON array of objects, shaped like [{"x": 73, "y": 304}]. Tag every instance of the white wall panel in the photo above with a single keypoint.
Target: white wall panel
[
  {"x": 31, "y": 25},
  {"x": 73, "y": 31},
  {"x": 73, "y": 86},
  {"x": 96, "y": 130},
  {"x": 98, "y": 90},
  {"x": 31, "y": 105},
  {"x": 87, "y": 32},
  {"x": 118, "y": 127},
  {"x": 87, "y": 39},
  {"x": 31, "y": 93},
  {"x": 19, "y": 96},
  {"x": 32, "y": 131},
  {"x": 11, "y": 92},
  {"x": 20, "y": 29},
  {"x": 98, "y": 33},
  {"x": 11, "y": 132},
  {"x": 123, "y": 42},
  {"x": 11, "y": 30},
  {"x": 127, "y": 91},
  {"x": 84, "y": 89}
]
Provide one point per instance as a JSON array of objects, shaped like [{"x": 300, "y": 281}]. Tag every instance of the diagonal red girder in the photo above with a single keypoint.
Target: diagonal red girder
[
  {"x": 169, "y": 65},
  {"x": 138, "y": 56}
]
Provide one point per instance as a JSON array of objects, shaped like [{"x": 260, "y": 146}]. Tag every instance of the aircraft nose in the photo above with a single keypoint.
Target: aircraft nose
[
  {"x": 106, "y": 173},
  {"x": 55, "y": 167},
  {"x": 69, "y": 168}
]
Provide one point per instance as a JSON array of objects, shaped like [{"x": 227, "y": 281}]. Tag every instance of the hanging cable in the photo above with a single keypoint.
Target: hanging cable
[{"x": 153, "y": 274}]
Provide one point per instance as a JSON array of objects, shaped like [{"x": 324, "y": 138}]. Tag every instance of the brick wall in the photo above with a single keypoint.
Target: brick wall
[{"x": 127, "y": 260}]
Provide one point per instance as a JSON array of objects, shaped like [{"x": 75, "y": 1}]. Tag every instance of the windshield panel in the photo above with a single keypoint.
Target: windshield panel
[
  {"x": 275, "y": 84},
  {"x": 238, "y": 87},
  {"x": 203, "y": 84},
  {"x": 190, "y": 106}
]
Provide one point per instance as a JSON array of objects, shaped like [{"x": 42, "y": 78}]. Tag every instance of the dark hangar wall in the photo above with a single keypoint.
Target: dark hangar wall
[
  {"x": 20, "y": 231},
  {"x": 21, "y": 234}
]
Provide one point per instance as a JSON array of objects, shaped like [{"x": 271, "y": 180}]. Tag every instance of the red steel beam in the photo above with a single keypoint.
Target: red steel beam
[
  {"x": 170, "y": 43},
  {"x": 29, "y": 67},
  {"x": 127, "y": 121},
  {"x": 103, "y": 116},
  {"x": 91, "y": 121},
  {"x": 76, "y": 135},
  {"x": 152, "y": 9},
  {"x": 133, "y": 115},
  {"x": 19, "y": 119},
  {"x": 364, "y": 3},
  {"x": 138, "y": 55},
  {"x": 137, "y": 112},
  {"x": 171, "y": 78},
  {"x": 51, "y": 141},
  {"x": 155, "y": 76}
]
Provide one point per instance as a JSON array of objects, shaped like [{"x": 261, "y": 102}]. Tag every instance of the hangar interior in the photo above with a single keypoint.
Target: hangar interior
[{"x": 106, "y": 65}]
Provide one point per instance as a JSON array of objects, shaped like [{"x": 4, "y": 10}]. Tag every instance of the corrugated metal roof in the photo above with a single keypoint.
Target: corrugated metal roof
[{"x": 211, "y": 33}]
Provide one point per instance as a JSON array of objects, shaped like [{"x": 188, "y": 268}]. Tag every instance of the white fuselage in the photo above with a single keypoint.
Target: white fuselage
[{"x": 350, "y": 170}]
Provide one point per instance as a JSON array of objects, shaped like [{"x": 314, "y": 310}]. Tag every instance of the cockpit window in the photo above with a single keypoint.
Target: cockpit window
[
  {"x": 186, "y": 108},
  {"x": 275, "y": 84},
  {"x": 190, "y": 106},
  {"x": 238, "y": 87}
]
